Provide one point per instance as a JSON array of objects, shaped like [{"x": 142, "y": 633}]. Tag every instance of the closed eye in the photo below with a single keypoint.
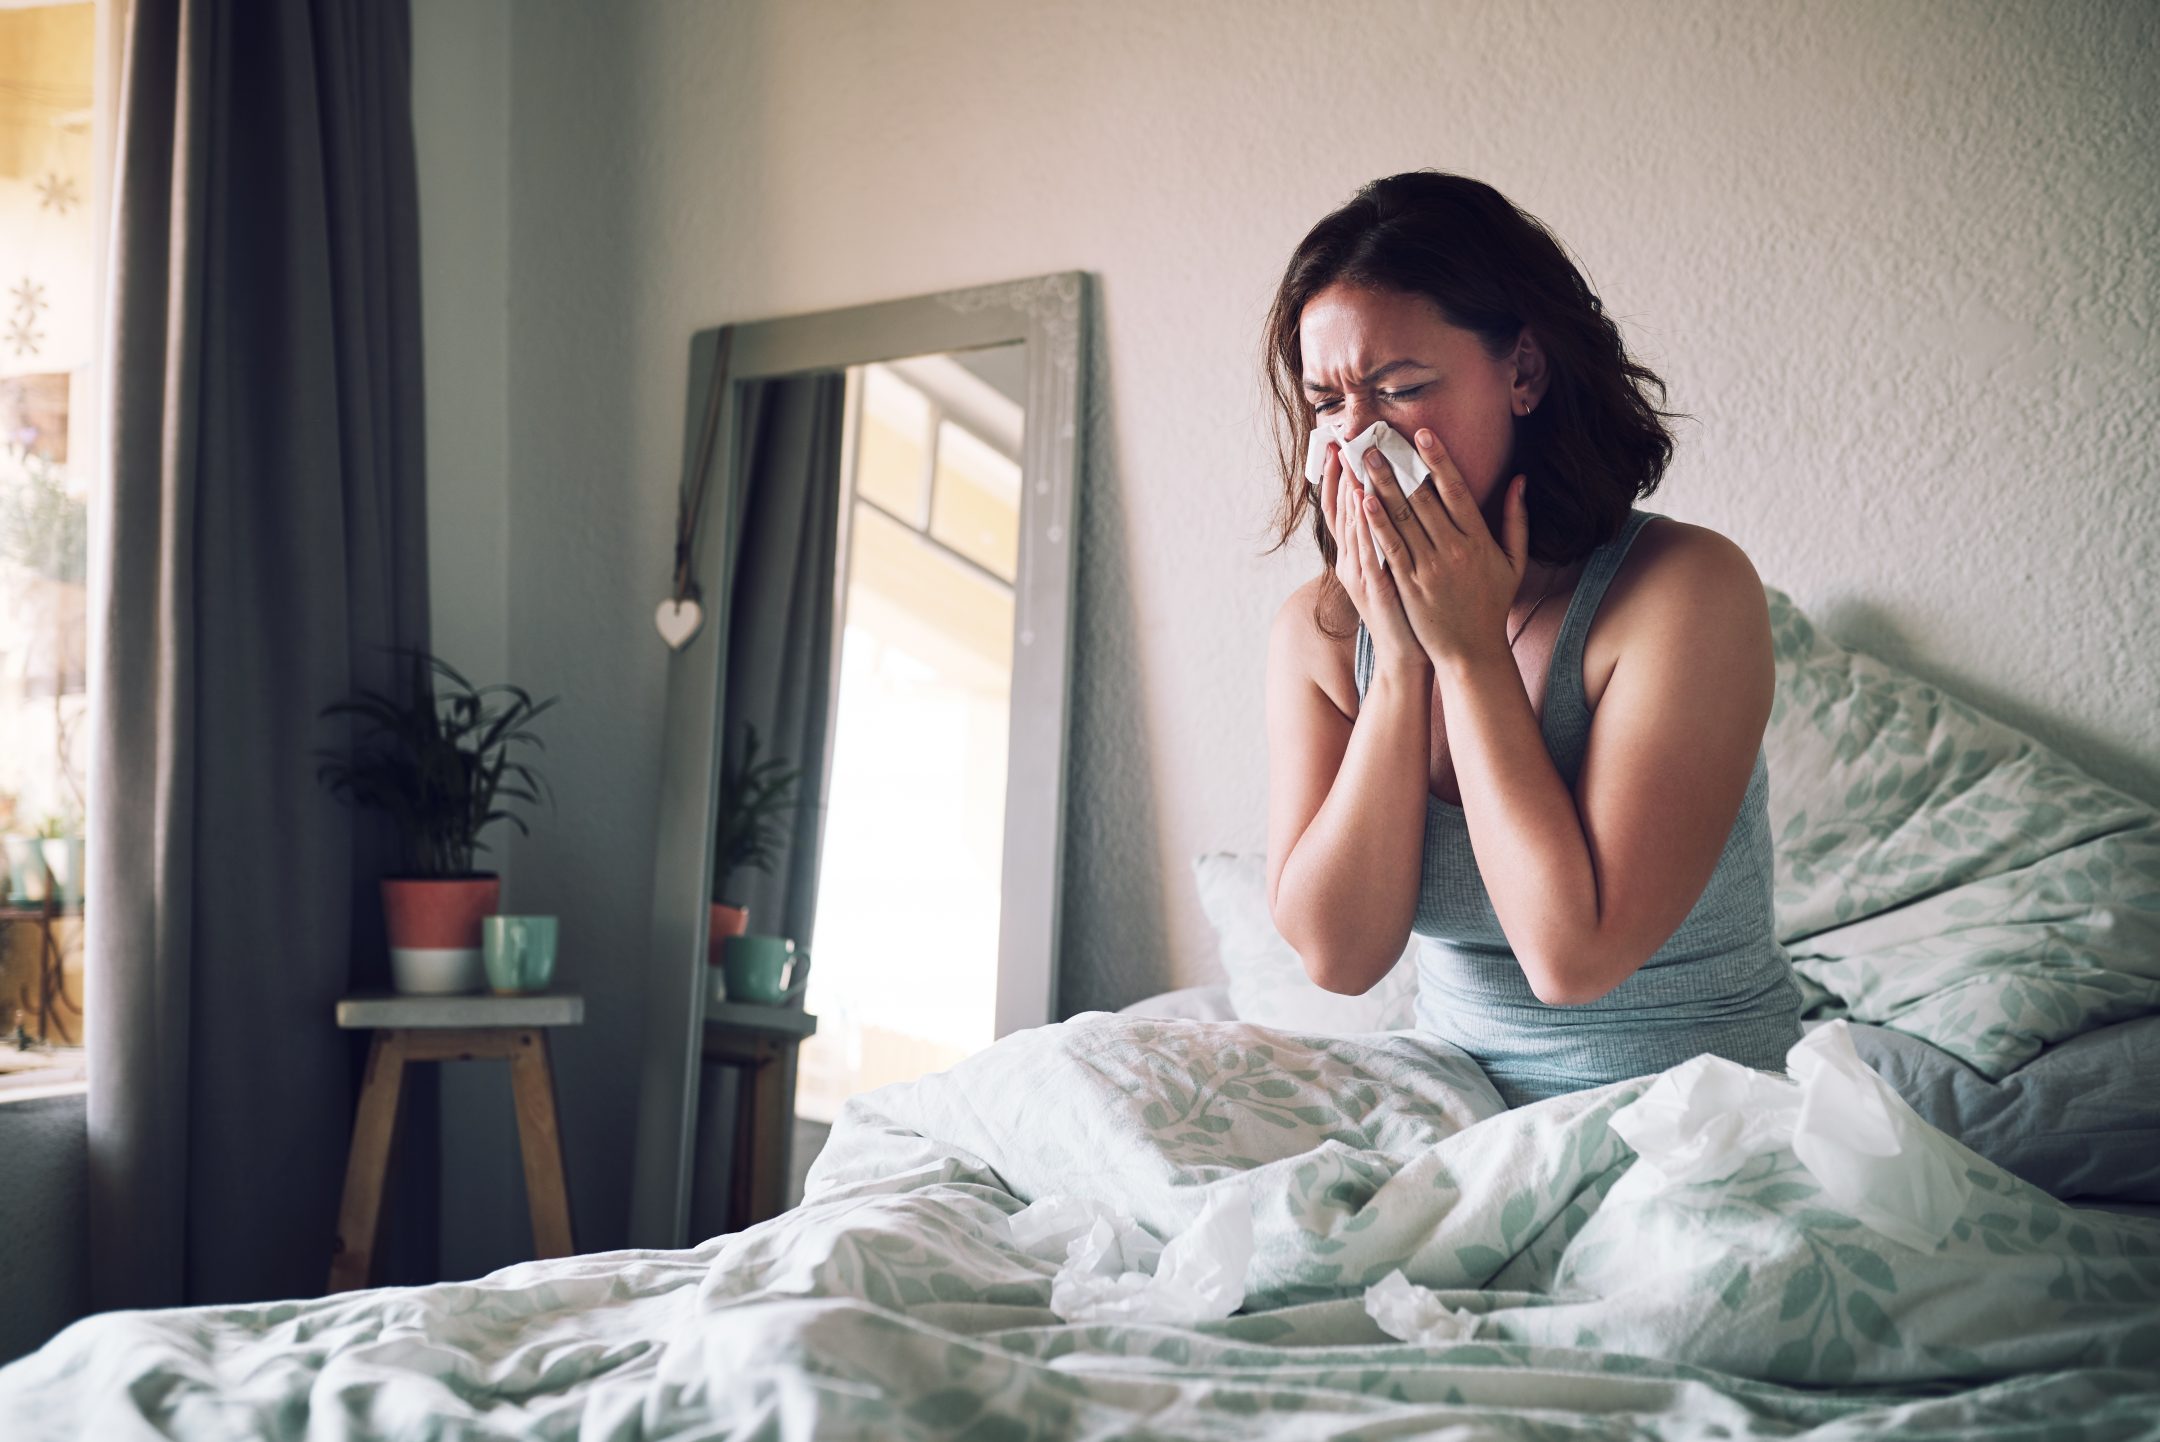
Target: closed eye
[{"x": 1321, "y": 406}]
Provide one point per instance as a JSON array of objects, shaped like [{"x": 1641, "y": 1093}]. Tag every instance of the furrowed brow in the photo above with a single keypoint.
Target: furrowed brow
[{"x": 1321, "y": 388}]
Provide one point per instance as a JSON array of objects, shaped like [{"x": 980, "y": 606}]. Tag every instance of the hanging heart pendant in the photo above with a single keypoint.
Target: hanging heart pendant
[{"x": 678, "y": 622}]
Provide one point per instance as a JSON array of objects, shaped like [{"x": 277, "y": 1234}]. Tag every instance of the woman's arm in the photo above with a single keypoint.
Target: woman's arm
[
  {"x": 1346, "y": 805},
  {"x": 1588, "y": 886}
]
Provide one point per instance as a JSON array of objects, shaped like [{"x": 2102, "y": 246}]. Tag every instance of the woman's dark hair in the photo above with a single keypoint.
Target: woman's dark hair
[{"x": 1594, "y": 444}]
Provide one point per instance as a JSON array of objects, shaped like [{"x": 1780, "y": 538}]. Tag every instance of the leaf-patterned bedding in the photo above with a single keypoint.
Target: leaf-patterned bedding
[
  {"x": 894, "y": 1302},
  {"x": 1944, "y": 874}
]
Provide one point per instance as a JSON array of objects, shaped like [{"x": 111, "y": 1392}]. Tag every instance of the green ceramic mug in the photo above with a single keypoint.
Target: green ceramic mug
[
  {"x": 767, "y": 970},
  {"x": 518, "y": 952}
]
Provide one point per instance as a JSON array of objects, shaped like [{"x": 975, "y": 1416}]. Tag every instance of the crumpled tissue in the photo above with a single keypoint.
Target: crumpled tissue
[
  {"x": 1702, "y": 1120},
  {"x": 1410, "y": 1313},
  {"x": 1055, "y": 1228},
  {"x": 1409, "y": 467},
  {"x": 1871, "y": 1153},
  {"x": 1103, "y": 1253}
]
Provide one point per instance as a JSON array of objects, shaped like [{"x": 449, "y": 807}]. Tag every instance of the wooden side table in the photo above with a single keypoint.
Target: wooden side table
[
  {"x": 452, "y": 1028},
  {"x": 52, "y": 999},
  {"x": 762, "y": 1042}
]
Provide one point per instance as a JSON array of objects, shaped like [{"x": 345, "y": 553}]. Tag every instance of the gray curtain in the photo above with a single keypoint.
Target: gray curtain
[
  {"x": 780, "y": 623},
  {"x": 265, "y": 542}
]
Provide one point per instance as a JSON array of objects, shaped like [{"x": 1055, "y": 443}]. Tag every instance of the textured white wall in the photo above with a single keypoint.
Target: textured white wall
[
  {"x": 1898, "y": 261},
  {"x": 461, "y": 122}
]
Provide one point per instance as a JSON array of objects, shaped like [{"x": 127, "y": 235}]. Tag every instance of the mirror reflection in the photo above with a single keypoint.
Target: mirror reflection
[
  {"x": 865, "y": 741},
  {"x": 908, "y": 883}
]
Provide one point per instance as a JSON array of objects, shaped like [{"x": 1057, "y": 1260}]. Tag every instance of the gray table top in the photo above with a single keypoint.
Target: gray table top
[
  {"x": 364, "y": 1010},
  {"x": 788, "y": 1020}
]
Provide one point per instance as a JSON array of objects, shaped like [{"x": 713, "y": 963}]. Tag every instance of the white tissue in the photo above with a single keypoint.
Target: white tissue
[
  {"x": 1702, "y": 1120},
  {"x": 1198, "y": 1277},
  {"x": 1409, "y": 467},
  {"x": 1871, "y": 1153},
  {"x": 1057, "y": 1228},
  {"x": 1410, "y": 1313}
]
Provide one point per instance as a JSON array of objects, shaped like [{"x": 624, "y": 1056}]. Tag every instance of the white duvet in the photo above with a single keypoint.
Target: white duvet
[{"x": 1596, "y": 1296}]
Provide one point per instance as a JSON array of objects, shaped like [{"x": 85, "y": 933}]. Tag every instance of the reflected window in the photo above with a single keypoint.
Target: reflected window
[
  {"x": 892, "y": 434},
  {"x": 975, "y": 502},
  {"x": 909, "y": 881}
]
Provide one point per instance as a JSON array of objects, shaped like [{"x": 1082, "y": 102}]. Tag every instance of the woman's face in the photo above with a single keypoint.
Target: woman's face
[{"x": 1377, "y": 355}]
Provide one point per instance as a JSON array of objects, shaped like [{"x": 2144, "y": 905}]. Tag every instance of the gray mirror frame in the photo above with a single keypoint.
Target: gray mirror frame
[{"x": 1050, "y": 314}]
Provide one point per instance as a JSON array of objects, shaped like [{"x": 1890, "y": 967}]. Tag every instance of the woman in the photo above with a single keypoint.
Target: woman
[{"x": 1513, "y": 713}]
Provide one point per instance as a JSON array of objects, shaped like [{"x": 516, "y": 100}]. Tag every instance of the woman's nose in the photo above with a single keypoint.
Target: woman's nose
[{"x": 1355, "y": 416}]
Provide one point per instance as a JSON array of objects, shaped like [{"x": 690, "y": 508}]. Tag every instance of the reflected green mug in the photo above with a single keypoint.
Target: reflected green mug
[
  {"x": 518, "y": 953},
  {"x": 767, "y": 970}
]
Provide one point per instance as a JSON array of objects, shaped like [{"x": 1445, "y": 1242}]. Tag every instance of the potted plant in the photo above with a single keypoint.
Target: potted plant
[
  {"x": 748, "y": 835},
  {"x": 60, "y": 842},
  {"x": 439, "y": 763},
  {"x": 17, "y": 855}
]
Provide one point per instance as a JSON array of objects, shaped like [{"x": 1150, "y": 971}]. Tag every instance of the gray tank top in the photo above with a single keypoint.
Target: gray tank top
[{"x": 1721, "y": 983}]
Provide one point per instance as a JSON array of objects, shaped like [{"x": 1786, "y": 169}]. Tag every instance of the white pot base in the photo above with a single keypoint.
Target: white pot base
[{"x": 436, "y": 971}]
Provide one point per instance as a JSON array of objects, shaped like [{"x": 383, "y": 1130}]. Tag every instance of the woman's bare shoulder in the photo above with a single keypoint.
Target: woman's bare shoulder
[
  {"x": 1681, "y": 586},
  {"x": 1673, "y": 564},
  {"x": 1299, "y": 642}
]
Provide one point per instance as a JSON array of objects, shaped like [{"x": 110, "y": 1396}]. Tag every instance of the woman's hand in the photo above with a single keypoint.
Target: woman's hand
[
  {"x": 1357, "y": 567},
  {"x": 1455, "y": 583}
]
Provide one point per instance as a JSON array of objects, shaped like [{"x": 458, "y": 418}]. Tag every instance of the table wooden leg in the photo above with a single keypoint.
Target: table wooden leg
[
  {"x": 771, "y": 1094},
  {"x": 739, "y": 1138},
  {"x": 374, "y": 1127},
  {"x": 547, "y": 1192}
]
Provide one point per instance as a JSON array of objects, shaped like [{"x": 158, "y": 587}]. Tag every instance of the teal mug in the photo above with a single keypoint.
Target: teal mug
[
  {"x": 767, "y": 970},
  {"x": 518, "y": 953}
]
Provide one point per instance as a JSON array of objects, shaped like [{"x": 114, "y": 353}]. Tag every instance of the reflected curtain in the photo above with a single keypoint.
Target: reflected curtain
[
  {"x": 784, "y": 547},
  {"x": 264, "y": 543}
]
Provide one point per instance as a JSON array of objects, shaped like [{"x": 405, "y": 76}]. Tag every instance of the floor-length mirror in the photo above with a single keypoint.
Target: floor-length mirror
[{"x": 888, "y": 580}]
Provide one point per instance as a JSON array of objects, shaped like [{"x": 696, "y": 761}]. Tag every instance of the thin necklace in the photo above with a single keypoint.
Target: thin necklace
[{"x": 1533, "y": 610}]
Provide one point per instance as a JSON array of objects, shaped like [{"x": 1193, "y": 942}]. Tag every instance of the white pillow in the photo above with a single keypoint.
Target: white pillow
[
  {"x": 1268, "y": 984},
  {"x": 1187, "y": 1003}
]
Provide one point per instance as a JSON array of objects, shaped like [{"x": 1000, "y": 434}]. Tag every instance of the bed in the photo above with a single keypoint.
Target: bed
[{"x": 1249, "y": 1210}]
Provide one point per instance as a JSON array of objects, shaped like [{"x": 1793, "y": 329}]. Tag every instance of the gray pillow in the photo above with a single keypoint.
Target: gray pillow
[{"x": 2078, "y": 1120}]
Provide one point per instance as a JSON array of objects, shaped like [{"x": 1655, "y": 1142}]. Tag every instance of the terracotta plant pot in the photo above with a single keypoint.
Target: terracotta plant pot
[
  {"x": 435, "y": 932},
  {"x": 727, "y": 921}
]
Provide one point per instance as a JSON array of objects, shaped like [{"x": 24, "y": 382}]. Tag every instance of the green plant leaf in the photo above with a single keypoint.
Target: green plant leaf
[
  {"x": 1776, "y": 1192},
  {"x": 1516, "y": 1214},
  {"x": 434, "y": 759},
  {"x": 948, "y": 1407},
  {"x": 1874, "y": 1323},
  {"x": 1867, "y": 1266},
  {"x": 1801, "y": 1290}
]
